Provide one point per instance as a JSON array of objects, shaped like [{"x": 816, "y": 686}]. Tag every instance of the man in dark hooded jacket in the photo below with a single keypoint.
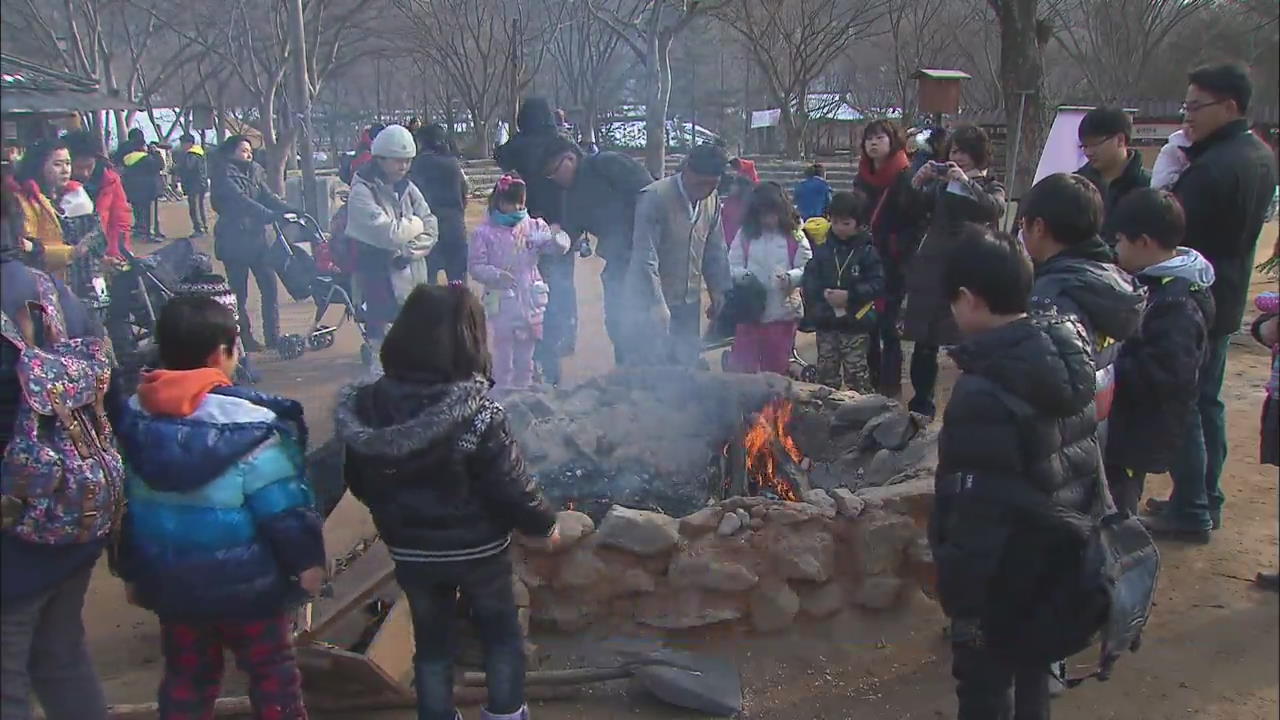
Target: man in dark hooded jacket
[
  {"x": 1076, "y": 272},
  {"x": 537, "y": 127},
  {"x": 1113, "y": 167},
  {"x": 140, "y": 169},
  {"x": 601, "y": 191},
  {"x": 1020, "y": 418}
]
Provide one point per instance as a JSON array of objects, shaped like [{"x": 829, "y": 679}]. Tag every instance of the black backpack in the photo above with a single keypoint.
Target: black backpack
[{"x": 1108, "y": 593}]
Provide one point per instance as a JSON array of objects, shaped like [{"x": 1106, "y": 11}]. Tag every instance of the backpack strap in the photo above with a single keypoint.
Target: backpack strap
[
  {"x": 55, "y": 325},
  {"x": 793, "y": 247}
]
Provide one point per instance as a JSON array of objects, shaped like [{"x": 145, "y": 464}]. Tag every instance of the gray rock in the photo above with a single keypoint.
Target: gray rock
[
  {"x": 847, "y": 503},
  {"x": 804, "y": 554},
  {"x": 729, "y": 524},
  {"x": 639, "y": 531},
  {"x": 882, "y": 541},
  {"x": 879, "y": 593},
  {"x": 743, "y": 515},
  {"x": 895, "y": 431},
  {"x": 537, "y": 406},
  {"x": 573, "y": 527},
  {"x": 521, "y": 591},
  {"x": 709, "y": 570},
  {"x": 823, "y": 601},
  {"x": 759, "y": 512},
  {"x": 632, "y": 581},
  {"x": 773, "y": 607},
  {"x": 914, "y": 497},
  {"x": 756, "y": 523},
  {"x": 580, "y": 569},
  {"x": 686, "y": 609},
  {"x": 858, "y": 412},
  {"x": 701, "y": 522},
  {"x": 819, "y": 498},
  {"x": 747, "y": 502},
  {"x": 883, "y": 467},
  {"x": 792, "y": 513}
]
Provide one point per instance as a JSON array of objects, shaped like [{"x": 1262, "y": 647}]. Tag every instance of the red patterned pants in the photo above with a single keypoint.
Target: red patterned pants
[{"x": 263, "y": 649}]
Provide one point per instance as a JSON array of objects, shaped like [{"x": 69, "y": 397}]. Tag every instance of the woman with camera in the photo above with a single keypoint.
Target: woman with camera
[{"x": 953, "y": 193}]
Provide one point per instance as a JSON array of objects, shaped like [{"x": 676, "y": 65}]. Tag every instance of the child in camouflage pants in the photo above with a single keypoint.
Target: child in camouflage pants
[{"x": 843, "y": 287}]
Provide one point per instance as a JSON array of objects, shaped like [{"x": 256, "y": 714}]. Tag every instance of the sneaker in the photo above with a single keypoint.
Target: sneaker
[
  {"x": 1164, "y": 527},
  {"x": 1268, "y": 581}
]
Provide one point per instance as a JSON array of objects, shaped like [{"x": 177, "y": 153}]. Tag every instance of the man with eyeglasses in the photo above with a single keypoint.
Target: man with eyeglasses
[
  {"x": 1225, "y": 192},
  {"x": 1113, "y": 167}
]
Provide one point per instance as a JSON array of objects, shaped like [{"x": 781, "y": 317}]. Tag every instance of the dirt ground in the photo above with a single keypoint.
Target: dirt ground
[{"x": 1212, "y": 650}]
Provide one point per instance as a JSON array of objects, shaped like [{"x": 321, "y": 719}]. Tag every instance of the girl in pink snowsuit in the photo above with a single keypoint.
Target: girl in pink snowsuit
[{"x": 504, "y": 259}]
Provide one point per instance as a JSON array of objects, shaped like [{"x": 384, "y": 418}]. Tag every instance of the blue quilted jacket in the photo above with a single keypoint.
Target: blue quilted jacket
[{"x": 221, "y": 518}]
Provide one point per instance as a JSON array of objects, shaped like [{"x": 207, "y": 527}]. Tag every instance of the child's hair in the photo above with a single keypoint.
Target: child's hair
[
  {"x": 767, "y": 198},
  {"x": 509, "y": 188},
  {"x": 187, "y": 138},
  {"x": 1106, "y": 122},
  {"x": 438, "y": 337},
  {"x": 849, "y": 204},
  {"x": 1151, "y": 212},
  {"x": 972, "y": 141},
  {"x": 1069, "y": 205},
  {"x": 815, "y": 170},
  {"x": 83, "y": 144},
  {"x": 993, "y": 266},
  {"x": 191, "y": 328}
]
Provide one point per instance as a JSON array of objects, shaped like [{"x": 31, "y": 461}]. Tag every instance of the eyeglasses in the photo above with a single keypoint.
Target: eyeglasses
[
  {"x": 1096, "y": 143},
  {"x": 1188, "y": 108}
]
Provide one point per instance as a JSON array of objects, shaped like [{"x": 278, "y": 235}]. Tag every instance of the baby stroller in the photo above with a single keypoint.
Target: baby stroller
[
  {"x": 323, "y": 274},
  {"x": 742, "y": 303}
]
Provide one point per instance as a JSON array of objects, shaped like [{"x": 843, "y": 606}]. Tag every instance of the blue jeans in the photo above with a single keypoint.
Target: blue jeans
[
  {"x": 432, "y": 590},
  {"x": 1197, "y": 469}
]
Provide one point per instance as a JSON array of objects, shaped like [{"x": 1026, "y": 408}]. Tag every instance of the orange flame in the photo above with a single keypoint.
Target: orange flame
[{"x": 769, "y": 425}]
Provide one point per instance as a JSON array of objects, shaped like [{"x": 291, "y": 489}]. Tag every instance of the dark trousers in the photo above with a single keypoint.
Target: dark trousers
[
  {"x": 884, "y": 353},
  {"x": 992, "y": 687},
  {"x": 560, "y": 324},
  {"x": 155, "y": 218},
  {"x": 193, "y": 667},
  {"x": 143, "y": 208},
  {"x": 432, "y": 590},
  {"x": 1197, "y": 467},
  {"x": 265, "y": 277},
  {"x": 924, "y": 379},
  {"x": 450, "y": 258},
  {"x": 196, "y": 209},
  {"x": 44, "y": 653},
  {"x": 614, "y": 279},
  {"x": 1126, "y": 487}
]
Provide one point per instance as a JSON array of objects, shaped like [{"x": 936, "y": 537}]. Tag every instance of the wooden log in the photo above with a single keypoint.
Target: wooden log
[{"x": 789, "y": 469}]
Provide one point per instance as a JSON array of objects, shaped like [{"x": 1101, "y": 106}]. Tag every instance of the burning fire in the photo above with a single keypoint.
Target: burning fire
[{"x": 767, "y": 436}]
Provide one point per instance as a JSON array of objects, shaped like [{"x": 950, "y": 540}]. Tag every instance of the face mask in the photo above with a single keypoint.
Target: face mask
[{"x": 510, "y": 219}]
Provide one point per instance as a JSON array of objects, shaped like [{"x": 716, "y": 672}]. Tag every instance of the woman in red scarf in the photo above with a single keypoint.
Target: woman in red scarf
[{"x": 884, "y": 174}]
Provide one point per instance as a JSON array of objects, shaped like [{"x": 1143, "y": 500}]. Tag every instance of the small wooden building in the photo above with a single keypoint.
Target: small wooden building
[
  {"x": 939, "y": 90},
  {"x": 38, "y": 101}
]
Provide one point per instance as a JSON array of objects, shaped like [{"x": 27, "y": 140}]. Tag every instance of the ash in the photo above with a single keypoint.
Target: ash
[{"x": 590, "y": 487}]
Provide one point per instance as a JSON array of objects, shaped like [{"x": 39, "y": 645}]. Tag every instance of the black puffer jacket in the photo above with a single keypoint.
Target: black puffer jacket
[
  {"x": 602, "y": 201},
  {"x": 245, "y": 205},
  {"x": 524, "y": 153},
  {"x": 438, "y": 468},
  {"x": 1134, "y": 177},
  {"x": 1158, "y": 368},
  {"x": 1085, "y": 282},
  {"x": 992, "y": 558},
  {"x": 852, "y": 265},
  {"x": 439, "y": 177},
  {"x": 1226, "y": 192}
]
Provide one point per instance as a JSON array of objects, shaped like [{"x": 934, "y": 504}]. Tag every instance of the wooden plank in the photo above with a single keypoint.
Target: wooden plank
[
  {"x": 348, "y": 524},
  {"x": 369, "y": 576},
  {"x": 392, "y": 647},
  {"x": 330, "y": 674}
]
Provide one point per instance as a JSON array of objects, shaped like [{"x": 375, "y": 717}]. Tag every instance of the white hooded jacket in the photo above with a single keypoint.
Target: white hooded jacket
[{"x": 403, "y": 225}]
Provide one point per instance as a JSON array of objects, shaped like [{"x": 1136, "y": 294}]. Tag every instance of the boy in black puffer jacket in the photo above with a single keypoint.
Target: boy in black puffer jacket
[
  {"x": 843, "y": 289},
  {"x": 1157, "y": 370},
  {"x": 434, "y": 459},
  {"x": 1022, "y": 413}
]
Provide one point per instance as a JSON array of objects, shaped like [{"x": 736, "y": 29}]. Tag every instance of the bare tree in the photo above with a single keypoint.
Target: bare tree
[
  {"x": 473, "y": 45},
  {"x": 1116, "y": 43},
  {"x": 793, "y": 42},
  {"x": 251, "y": 39},
  {"x": 1023, "y": 37},
  {"x": 588, "y": 62},
  {"x": 648, "y": 28}
]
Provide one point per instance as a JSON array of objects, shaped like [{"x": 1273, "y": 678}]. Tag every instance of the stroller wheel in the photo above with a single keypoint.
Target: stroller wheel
[
  {"x": 291, "y": 346},
  {"x": 809, "y": 373},
  {"x": 322, "y": 338},
  {"x": 726, "y": 360}
]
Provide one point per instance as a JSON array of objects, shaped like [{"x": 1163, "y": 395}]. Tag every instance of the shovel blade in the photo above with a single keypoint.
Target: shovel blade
[{"x": 696, "y": 682}]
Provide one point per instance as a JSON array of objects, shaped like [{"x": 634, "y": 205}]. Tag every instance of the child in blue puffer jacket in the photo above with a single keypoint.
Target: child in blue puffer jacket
[{"x": 221, "y": 538}]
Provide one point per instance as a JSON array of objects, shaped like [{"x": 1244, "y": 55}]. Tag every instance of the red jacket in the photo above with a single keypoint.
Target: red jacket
[{"x": 113, "y": 209}]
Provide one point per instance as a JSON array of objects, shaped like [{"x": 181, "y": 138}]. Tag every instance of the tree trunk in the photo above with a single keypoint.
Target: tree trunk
[
  {"x": 655, "y": 121},
  {"x": 1022, "y": 72},
  {"x": 793, "y": 132}
]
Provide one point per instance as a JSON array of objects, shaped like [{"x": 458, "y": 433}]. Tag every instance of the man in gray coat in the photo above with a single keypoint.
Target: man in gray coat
[{"x": 678, "y": 243}]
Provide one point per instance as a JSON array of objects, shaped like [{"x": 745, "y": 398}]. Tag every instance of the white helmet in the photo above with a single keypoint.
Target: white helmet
[{"x": 395, "y": 141}]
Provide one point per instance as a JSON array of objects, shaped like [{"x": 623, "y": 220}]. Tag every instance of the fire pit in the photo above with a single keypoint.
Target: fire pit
[{"x": 697, "y": 498}]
